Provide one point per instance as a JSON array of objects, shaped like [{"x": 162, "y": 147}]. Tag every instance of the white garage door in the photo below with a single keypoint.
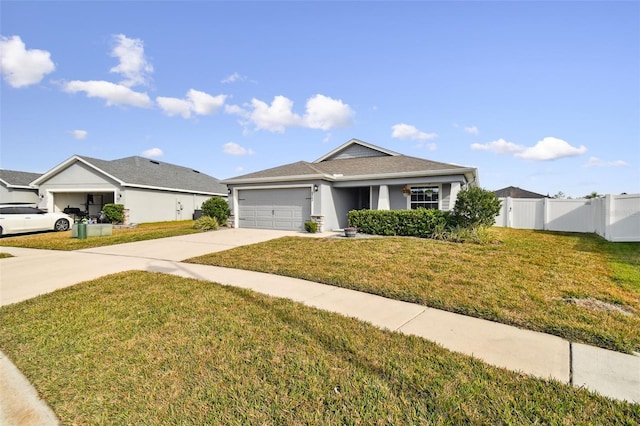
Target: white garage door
[{"x": 285, "y": 209}]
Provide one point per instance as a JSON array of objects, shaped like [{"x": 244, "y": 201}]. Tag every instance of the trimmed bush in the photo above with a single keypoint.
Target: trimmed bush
[
  {"x": 207, "y": 223},
  {"x": 311, "y": 226},
  {"x": 476, "y": 207},
  {"x": 114, "y": 212},
  {"x": 424, "y": 223},
  {"x": 217, "y": 207}
]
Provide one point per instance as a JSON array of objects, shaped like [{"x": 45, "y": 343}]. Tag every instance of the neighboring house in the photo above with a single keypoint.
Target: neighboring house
[
  {"x": 150, "y": 190},
  {"x": 15, "y": 187},
  {"x": 515, "y": 192},
  {"x": 356, "y": 175}
]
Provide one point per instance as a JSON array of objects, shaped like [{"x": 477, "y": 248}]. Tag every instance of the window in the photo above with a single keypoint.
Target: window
[{"x": 426, "y": 197}]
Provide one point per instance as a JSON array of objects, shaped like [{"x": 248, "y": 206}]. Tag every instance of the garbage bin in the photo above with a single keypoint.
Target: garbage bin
[{"x": 82, "y": 231}]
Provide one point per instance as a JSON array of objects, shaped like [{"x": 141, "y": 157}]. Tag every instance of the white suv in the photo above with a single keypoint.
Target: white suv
[{"x": 16, "y": 219}]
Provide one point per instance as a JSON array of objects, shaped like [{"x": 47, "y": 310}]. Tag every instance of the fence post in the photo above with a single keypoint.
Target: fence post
[
  {"x": 545, "y": 213},
  {"x": 608, "y": 210}
]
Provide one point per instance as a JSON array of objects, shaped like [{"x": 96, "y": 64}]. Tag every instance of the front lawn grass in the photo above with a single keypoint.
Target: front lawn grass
[
  {"x": 557, "y": 283},
  {"x": 63, "y": 240},
  {"x": 150, "y": 348}
]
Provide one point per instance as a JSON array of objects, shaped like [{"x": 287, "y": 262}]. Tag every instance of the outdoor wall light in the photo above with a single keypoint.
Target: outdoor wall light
[
  {"x": 229, "y": 191},
  {"x": 41, "y": 196},
  {"x": 315, "y": 188}
]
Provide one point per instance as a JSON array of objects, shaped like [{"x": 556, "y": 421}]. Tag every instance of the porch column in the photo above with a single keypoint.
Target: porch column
[{"x": 383, "y": 198}]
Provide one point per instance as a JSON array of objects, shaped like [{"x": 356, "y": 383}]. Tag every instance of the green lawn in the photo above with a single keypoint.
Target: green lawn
[
  {"x": 577, "y": 286},
  {"x": 63, "y": 240},
  {"x": 143, "y": 348}
]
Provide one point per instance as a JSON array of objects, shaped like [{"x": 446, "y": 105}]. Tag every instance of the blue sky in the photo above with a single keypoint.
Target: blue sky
[{"x": 540, "y": 95}]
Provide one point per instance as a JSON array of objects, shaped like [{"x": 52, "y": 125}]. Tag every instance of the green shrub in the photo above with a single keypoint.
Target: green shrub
[
  {"x": 217, "y": 207},
  {"x": 311, "y": 226},
  {"x": 475, "y": 207},
  {"x": 114, "y": 212},
  {"x": 423, "y": 223},
  {"x": 207, "y": 223}
]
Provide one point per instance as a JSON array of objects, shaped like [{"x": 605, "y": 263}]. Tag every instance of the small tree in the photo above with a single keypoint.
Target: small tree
[
  {"x": 114, "y": 212},
  {"x": 594, "y": 194},
  {"x": 217, "y": 207},
  {"x": 476, "y": 207}
]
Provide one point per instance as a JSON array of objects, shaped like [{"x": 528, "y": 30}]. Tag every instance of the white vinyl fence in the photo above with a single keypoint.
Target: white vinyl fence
[{"x": 614, "y": 217}]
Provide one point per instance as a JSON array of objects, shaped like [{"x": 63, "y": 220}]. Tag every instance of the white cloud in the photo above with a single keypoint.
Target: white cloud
[
  {"x": 21, "y": 67},
  {"x": 406, "y": 131},
  {"x": 233, "y": 148},
  {"x": 326, "y": 113},
  {"x": 322, "y": 112},
  {"x": 551, "y": 148},
  {"x": 79, "y": 134},
  {"x": 472, "y": 129},
  {"x": 114, "y": 94},
  {"x": 153, "y": 152},
  {"x": 596, "y": 162},
  {"x": 197, "y": 102},
  {"x": 239, "y": 169},
  {"x": 203, "y": 103},
  {"x": 275, "y": 117},
  {"x": 499, "y": 146},
  {"x": 133, "y": 65},
  {"x": 174, "y": 106},
  {"x": 233, "y": 78}
]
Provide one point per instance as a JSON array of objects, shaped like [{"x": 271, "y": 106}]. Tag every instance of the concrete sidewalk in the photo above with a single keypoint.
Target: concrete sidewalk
[{"x": 34, "y": 272}]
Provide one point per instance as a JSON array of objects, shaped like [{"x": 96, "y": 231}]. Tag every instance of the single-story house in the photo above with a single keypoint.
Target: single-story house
[
  {"x": 15, "y": 187},
  {"x": 515, "y": 192},
  {"x": 356, "y": 175},
  {"x": 150, "y": 190}
]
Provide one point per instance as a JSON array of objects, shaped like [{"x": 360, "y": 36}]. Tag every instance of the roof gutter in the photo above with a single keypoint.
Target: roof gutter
[{"x": 159, "y": 188}]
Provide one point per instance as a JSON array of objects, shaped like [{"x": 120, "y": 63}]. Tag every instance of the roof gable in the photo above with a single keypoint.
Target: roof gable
[
  {"x": 355, "y": 149},
  {"x": 143, "y": 172}
]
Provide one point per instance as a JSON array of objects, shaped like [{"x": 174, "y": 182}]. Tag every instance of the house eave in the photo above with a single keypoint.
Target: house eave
[
  {"x": 160, "y": 188},
  {"x": 237, "y": 181},
  {"x": 399, "y": 175},
  {"x": 21, "y": 186}
]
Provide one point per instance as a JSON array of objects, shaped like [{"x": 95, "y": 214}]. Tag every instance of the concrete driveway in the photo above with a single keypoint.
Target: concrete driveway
[{"x": 34, "y": 272}]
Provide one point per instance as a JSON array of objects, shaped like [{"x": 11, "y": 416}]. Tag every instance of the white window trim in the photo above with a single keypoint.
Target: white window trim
[{"x": 433, "y": 185}]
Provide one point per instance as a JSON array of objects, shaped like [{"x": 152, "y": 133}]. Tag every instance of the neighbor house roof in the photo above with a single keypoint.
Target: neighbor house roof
[
  {"x": 16, "y": 179},
  {"x": 377, "y": 163},
  {"x": 146, "y": 173},
  {"x": 515, "y": 192}
]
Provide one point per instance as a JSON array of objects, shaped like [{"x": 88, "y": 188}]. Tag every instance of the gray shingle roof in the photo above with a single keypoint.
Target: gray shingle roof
[
  {"x": 354, "y": 167},
  {"x": 515, "y": 192},
  {"x": 16, "y": 178},
  {"x": 157, "y": 174}
]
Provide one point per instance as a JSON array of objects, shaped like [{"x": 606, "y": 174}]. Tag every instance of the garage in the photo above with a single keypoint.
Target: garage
[{"x": 284, "y": 209}]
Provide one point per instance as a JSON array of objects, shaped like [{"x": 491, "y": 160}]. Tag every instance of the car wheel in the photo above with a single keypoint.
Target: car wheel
[
  {"x": 61, "y": 225},
  {"x": 0, "y": 231}
]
